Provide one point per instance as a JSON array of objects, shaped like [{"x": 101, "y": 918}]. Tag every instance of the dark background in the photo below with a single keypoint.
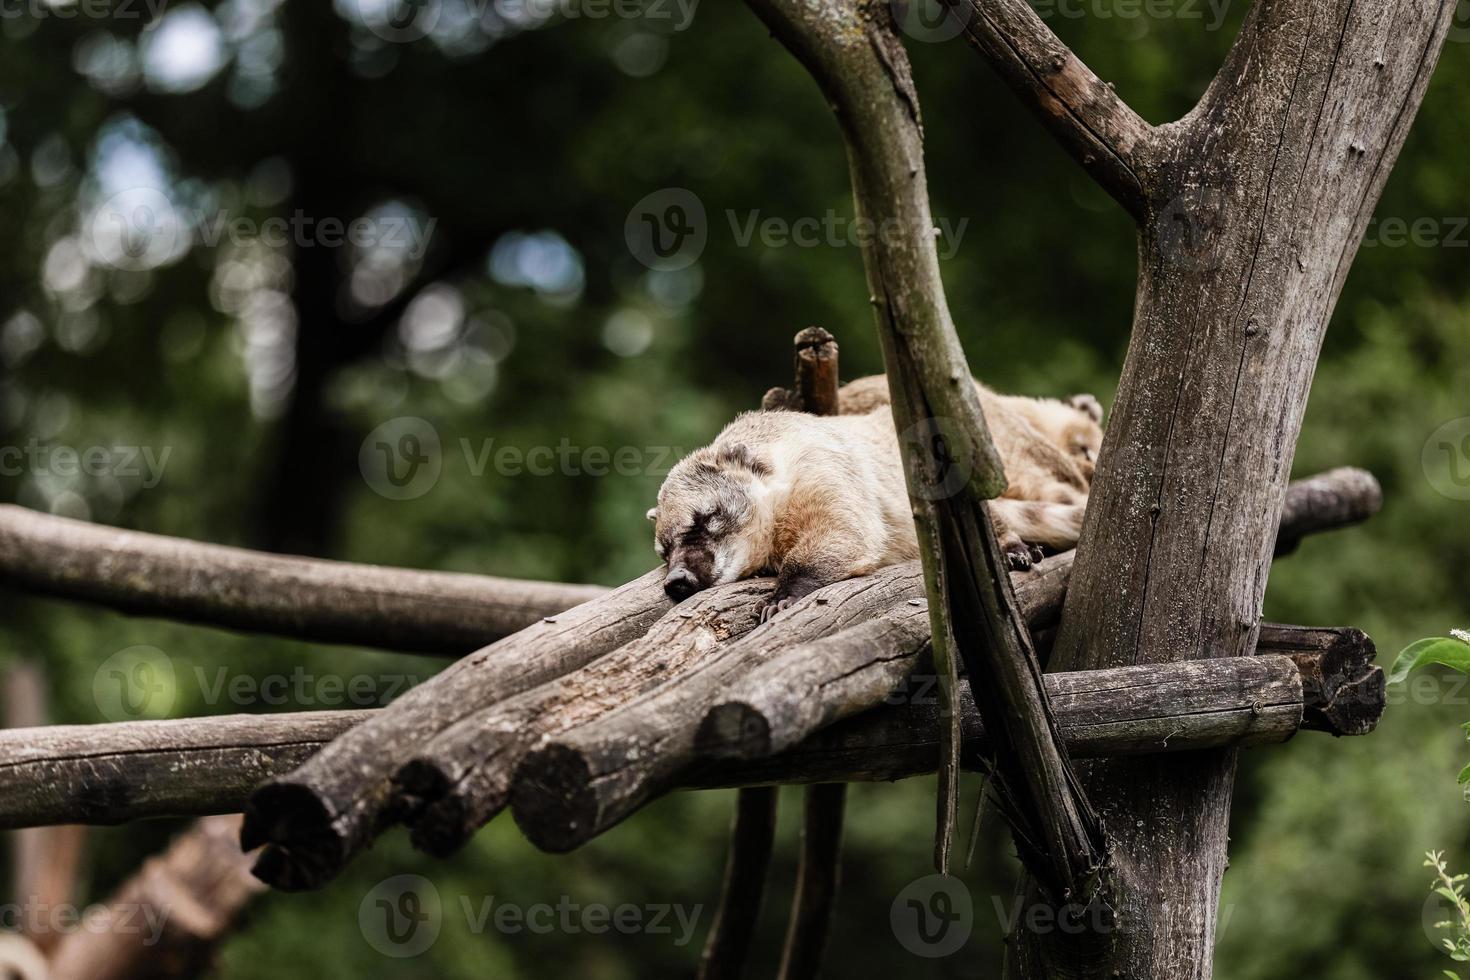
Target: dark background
[{"x": 261, "y": 368}]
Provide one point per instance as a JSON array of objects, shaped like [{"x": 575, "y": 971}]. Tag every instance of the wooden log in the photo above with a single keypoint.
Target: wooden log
[
  {"x": 752, "y": 836},
  {"x": 130, "y": 770},
  {"x": 315, "y": 819},
  {"x": 1339, "y": 497},
  {"x": 807, "y": 688},
  {"x": 303, "y": 598},
  {"x": 460, "y": 778},
  {"x": 106, "y": 774},
  {"x": 167, "y": 921},
  {"x": 887, "y": 609},
  {"x": 817, "y": 879},
  {"x": 561, "y": 797}
]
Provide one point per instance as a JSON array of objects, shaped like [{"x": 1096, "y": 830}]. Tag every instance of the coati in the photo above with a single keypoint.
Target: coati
[{"x": 820, "y": 499}]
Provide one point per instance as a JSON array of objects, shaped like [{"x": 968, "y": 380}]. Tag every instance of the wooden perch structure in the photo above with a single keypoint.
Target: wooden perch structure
[
  {"x": 112, "y": 773},
  {"x": 302, "y": 598},
  {"x": 161, "y": 768}
]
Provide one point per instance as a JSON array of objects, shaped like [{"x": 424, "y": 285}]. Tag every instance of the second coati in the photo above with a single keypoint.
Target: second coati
[{"x": 819, "y": 499}]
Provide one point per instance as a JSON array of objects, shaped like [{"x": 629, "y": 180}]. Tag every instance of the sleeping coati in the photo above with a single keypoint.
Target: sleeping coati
[{"x": 819, "y": 499}]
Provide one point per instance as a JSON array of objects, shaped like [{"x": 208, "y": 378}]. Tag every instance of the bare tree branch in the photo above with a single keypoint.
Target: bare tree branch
[{"x": 1084, "y": 113}]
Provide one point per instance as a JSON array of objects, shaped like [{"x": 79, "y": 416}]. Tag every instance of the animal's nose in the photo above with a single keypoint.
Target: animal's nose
[{"x": 680, "y": 584}]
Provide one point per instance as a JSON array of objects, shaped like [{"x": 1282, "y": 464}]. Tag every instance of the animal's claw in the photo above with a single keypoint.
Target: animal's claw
[
  {"x": 769, "y": 608},
  {"x": 1018, "y": 557}
]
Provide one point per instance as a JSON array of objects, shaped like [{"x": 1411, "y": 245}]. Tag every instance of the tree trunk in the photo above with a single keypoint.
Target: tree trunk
[{"x": 1256, "y": 203}]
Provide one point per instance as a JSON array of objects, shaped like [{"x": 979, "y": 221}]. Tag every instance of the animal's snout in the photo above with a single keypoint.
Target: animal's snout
[{"x": 680, "y": 584}]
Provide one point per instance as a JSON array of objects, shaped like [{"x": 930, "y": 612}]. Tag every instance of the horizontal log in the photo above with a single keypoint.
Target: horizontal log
[
  {"x": 121, "y": 771},
  {"x": 590, "y": 779},
  {"x": 1333, "y": 499},
  {"x": 1128, "y": 711},
  {"x": 811, "y": 686},
  {"x": 391, "y": 608},
  {"x": 107, "y": 774},
  {"x": 303, "y": 598}
]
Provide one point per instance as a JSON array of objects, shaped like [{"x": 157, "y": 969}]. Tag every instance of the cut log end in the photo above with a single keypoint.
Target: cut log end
[
  {"x": 734, "y": 729},
  {"x": 553, "y": 801},
  {"x": 302, "y": 848},
  {"x": 442, "y": 827}
]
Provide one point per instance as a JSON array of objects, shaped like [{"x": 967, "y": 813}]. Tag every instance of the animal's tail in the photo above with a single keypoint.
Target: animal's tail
[{"x": 1055, "y": 526}]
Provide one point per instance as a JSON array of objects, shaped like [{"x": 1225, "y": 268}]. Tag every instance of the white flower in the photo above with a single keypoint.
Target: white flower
[{"x": 1462, "y": 635}]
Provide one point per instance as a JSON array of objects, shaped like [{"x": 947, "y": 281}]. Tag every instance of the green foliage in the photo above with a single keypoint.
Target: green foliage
[{"x": 1448, "y": 651}]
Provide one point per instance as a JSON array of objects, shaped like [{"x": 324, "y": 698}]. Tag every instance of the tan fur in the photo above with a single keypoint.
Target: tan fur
[{"x": 816, "y": 500}]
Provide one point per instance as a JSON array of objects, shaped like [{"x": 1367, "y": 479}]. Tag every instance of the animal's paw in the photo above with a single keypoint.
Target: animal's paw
[
  {"x": 1020, "y": 556},
  {"x": 770, "y": 607}
]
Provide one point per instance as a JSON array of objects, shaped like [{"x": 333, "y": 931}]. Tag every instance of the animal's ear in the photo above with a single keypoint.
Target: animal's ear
[
  {"x": 739, "y": 454},
  {"x": 1087, "y": 405},
  {"x": 652, "y": 514}
]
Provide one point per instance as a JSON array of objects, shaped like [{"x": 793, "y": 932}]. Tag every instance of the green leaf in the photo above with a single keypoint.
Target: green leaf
[
  {"x": 1431, "y": 650},
  {"x": 1465, "y": 774},
  {"x": 1452, "y": 975}
]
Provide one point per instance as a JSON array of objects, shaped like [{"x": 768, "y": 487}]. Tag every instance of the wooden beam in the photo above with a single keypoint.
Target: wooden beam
[
  {"x": 303, "y": 598},
  {"x": 129, "y": 770}
]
